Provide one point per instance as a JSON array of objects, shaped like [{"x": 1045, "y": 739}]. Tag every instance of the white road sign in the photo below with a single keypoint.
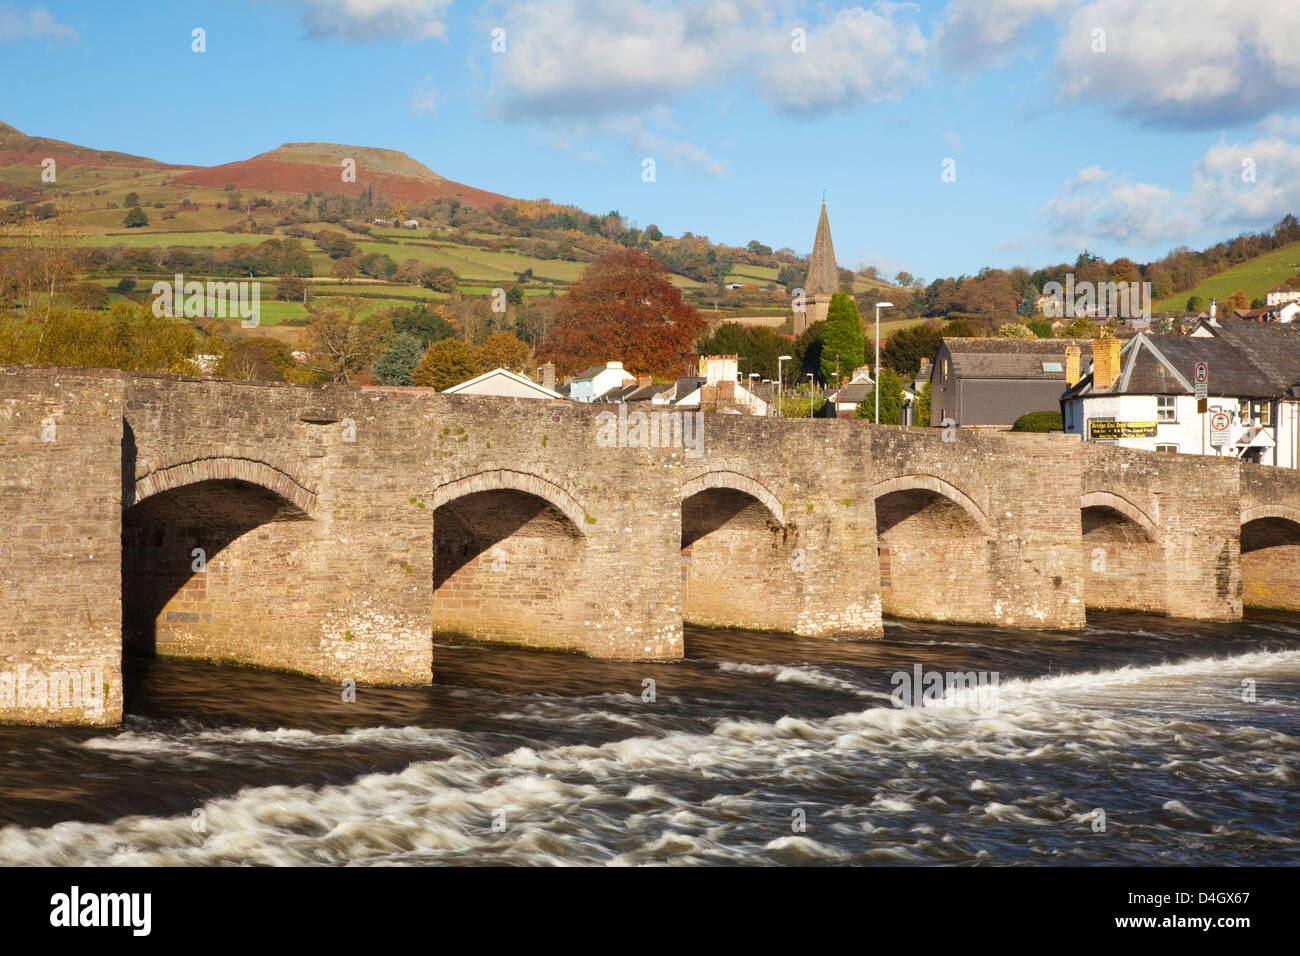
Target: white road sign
[{"x": 1219, "y": 425}]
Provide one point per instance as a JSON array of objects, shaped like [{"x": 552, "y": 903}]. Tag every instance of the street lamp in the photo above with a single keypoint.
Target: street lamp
[
  {"x": 780, "y": 381},
  {"x": 810, "y": 394},
  {"x": 876, "y": 389}
]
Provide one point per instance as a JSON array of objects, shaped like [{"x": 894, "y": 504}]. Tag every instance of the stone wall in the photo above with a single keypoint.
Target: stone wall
[{"x": 337, "y": 531}]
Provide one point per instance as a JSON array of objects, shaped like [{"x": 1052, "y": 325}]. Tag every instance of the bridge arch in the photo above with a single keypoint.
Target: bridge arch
[
  {"x": 509, "y": 552},
  {"x": 247, "y": 470},
  {"x": 1110, "y": 501},
  {"x": 736, "y": 551},
  {"x": 210, "y": 555},
  {"x": 935, "y": 486},
  {"x": 933, "y": 547},
  {"x": 507, "y": 479},
  {"x": 1270, "y": 551},
  {"x": 1123, "y": 556}
]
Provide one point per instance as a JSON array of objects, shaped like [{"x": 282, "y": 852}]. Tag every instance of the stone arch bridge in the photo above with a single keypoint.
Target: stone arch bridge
[{"x": 339, "y": 531}]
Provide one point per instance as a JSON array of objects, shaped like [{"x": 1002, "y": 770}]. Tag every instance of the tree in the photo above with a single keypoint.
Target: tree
[
  {"x": 258, "y": 358},
  {"x": 922, "y": 416},
  {"x": 131, "y": 199},
  {"x": 1041, "y": 328},
  {"x": 87, "y": 295},
  {"x": 903, "y": 278},
  {"x": 290, "y": 289},
  {"x": 341, "y": 343},
  {"x": 440, "y": 280},
  {"x": 502, "y": 350},
  {"x": 758, "y": 249},
  {"x": 427, "y": 324},
  {"x": 891, "y": 399},
  {"x": 843, "y": 345},
  {"x": 624, "y": 306},
  {"x": 807, "y": 351},
  {"x": 1081, "y": 328},
  {"x": 1027, "y": 308},
  {"x": 515, "y": 295},
  {"x": 126, "y": 284},
  {"x": 395, "y": 366},
  {"x": 1237, "y": 300},
  {"x": 135, "y": 218},
  {"x": 791, "y": 277},
  {"x": 1257, "y": 303},
  {"x": 1014, "y": 330},
  {"x": 906, "y": 347},
  {"x": 1195, "y": 304},
  {"x": 652, "y": 233},
  {"x": 446, "y": 363},
  {"x": 343, "y": 269}
]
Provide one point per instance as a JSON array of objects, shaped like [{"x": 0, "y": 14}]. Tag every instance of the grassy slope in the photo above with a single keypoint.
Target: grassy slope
[{"x": 1253, "y": 277}]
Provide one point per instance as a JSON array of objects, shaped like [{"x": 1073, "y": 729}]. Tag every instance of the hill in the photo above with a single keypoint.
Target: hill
[
  {"x": 1253, "y": 277},
  {"x": 318, "y": 167}
]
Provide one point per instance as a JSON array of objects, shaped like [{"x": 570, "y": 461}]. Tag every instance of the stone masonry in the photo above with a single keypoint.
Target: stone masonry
[{"x": 338, "y": 532}]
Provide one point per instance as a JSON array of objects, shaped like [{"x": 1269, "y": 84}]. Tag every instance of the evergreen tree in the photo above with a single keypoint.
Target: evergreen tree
[
  {"x": 891, "y": 400},
  {"x": 395, "y": 366},
  {"x": 842, "y": 338}
]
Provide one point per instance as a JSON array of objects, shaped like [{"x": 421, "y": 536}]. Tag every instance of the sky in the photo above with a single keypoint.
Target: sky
[{"x": 946, "y": 136}]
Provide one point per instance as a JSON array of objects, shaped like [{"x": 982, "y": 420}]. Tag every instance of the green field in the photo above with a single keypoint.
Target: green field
[{"x": 1253, "y": 277}]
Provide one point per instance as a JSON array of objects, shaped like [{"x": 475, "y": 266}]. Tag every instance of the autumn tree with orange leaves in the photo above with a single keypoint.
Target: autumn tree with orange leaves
[{"x": 624, "y": 308}]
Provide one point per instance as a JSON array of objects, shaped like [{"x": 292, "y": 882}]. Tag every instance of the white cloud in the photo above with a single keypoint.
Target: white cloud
[
  {"x": 1219, "y": 62},
  {"x": 30, "y": 24},
  {"x": 859, "y": 56},
  {"x": 367, "y": 20},
  {"x": 975, "y": 33},
  {"x": 650, "y": 136},
  {"x": 609, "y": 57},
  {"x": 1099, "y": 206}
]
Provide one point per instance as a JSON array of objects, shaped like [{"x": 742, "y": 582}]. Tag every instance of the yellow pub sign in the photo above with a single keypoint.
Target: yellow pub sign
[{"x": 1107, "y": 429}]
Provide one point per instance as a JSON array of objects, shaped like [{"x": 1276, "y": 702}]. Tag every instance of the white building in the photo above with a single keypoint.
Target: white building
[
  {"x": 1281, "y": 294},
  {"x": 502, "y": 382},
  {"x": 1141, "y": 393},
  {"x": 598, "y": 380}
]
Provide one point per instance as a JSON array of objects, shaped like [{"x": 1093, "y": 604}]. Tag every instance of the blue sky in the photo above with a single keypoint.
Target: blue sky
[{"x": 1166, "y": 128}]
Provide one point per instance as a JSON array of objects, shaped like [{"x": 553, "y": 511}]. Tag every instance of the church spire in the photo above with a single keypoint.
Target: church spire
[{"x": 823, "y": 274}]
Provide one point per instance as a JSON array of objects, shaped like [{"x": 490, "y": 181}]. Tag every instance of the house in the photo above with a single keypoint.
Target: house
[
  {"x": 1280, "y": 295},
  {"x": 590, "y": 385},
  {"x": 1284, "y": 312},
  {"x": 411, "y": 224},
  {"x": 503, "y": 382},
  {"x": 989, "y": 383},
  {"x": 1141, "y": 393},
  {"x": 717, "y": 389}
]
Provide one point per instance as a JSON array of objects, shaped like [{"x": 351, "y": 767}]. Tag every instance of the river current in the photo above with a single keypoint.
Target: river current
[{"x": 1138, "y": 740}]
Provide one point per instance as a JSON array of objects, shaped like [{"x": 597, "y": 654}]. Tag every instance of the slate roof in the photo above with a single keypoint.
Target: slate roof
[
  {"x": 1273, "y": 347},
  {"x": 854, "y": 393},
  {"x": 1166, "y": 365},
  {"x": 1012, "y": 358},
  {"x": 589, "y": 373}
]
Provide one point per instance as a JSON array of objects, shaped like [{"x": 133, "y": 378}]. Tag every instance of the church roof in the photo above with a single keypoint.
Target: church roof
[{"x": 823, "y": 274}]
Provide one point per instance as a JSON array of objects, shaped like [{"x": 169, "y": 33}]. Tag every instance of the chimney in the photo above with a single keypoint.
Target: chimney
[
  {"x": 1105, "y": 362},
  {"x": 1072, "y": 375},
  {"x": 644, "y": 381},
  {"x": 1213, "y": 320},
  {"x": 548, "y": 376}
]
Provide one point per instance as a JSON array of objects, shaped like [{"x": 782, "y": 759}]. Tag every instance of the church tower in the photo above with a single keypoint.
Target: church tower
[{"x": 823, "y": 279}]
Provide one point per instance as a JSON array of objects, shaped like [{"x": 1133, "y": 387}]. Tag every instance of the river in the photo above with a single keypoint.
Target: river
[{"x": 1139, "y": 740}]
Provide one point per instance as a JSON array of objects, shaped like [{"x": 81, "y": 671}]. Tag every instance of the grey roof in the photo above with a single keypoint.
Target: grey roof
[
  {"x": 687, "y": 385},
  {"x": 589, "y": 373},
  {"x": 823, "y": 274},
  {"x": 1011, "y": 358},
  {"x": 1166, "y": 365},
  {"x": 854, "y": 392},
  {"x": 1273, "y": 347}
]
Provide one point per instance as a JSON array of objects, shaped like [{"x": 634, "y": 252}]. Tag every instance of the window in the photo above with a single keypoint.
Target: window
[
  {"x": 1262, "y": 411},
  {"x": 1166, "y": 408},
  {"x": 1243, "y": 409},
  {"x": 1169, "y": 448},
  {"x": 945, "y": 369},
  {"x": 1053, "y": 367}
]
